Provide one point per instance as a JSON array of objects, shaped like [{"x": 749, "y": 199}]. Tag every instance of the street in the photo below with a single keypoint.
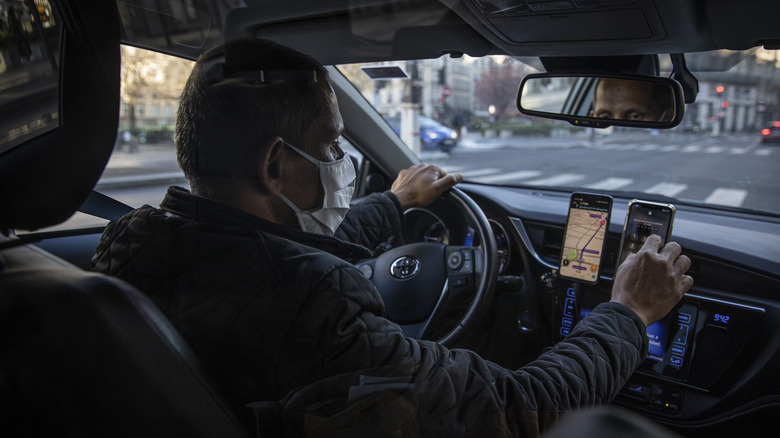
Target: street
[{"x": 735, "y": 171}]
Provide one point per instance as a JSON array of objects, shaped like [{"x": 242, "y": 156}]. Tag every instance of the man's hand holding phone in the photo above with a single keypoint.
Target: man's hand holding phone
[{"x": 651, "y": 282}]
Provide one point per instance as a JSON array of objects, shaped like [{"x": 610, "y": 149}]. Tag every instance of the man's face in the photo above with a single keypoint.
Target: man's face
[
  {"x": 302, "y": 182},
  {"x": 626, "y": 100}
]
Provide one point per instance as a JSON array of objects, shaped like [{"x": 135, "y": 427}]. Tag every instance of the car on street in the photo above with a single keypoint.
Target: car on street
[
  {"x": 85, "y": 354},
  {"x": 433, "y": 134},
  {"x": 771, "y": 133}
]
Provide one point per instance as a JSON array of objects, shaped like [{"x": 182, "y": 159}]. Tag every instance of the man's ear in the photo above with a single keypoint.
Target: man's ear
[{"x": 271, "y": 166}]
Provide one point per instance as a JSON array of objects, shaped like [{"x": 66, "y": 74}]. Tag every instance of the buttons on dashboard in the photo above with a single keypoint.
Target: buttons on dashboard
[
  {"x": 680, "y": 341},
  {"x": 567, "y": 321},
  {"x": 652, "y": 396}
]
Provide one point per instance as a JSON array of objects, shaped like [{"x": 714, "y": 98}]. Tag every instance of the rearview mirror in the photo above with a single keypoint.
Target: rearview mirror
[{"x": 600, "y": 101}]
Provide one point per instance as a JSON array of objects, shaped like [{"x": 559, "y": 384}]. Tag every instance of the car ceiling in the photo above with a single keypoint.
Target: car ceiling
[{"x": 347, "y": 31}]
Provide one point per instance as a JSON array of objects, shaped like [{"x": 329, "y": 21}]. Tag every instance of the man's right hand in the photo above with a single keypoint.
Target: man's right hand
[{"x": 650, "y": 282}]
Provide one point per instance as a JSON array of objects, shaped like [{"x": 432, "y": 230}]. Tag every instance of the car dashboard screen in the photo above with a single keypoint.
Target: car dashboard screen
[{"x": 670, "y": 341}]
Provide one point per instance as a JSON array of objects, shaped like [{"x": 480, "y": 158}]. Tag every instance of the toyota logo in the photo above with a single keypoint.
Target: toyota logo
[{"x": 405, "y": 267}]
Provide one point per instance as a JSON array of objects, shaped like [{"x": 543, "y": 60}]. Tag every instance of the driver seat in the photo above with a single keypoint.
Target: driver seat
[{"x": 83, "y": 354}]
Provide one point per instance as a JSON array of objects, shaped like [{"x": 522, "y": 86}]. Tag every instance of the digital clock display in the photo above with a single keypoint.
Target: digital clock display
[{"x": 721, "y": 319}]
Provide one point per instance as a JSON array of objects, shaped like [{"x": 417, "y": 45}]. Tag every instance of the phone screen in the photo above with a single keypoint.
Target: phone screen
[
  {"x": 583, "y": 241},
  {"x": 643, "y": 219}
]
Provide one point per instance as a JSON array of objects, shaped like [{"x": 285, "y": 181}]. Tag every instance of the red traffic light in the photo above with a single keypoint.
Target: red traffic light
[
  {"x": 725, "y": 104},
  {"x": 719, "y": 89}
]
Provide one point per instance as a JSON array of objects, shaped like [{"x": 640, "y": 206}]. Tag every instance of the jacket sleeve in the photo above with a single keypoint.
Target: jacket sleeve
[
  {"x": 372, "y": 221},
  {"x": 456, "y": 392}
]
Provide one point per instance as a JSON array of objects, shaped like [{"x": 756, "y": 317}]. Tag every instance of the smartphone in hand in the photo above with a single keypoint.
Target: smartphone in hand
[
  {"x": 643, "y": 219},
  {"x": 583, "y": 240}
]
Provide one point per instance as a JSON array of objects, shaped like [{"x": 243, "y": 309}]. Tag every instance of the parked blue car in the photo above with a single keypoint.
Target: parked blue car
[{"x": 433, "y": 134}]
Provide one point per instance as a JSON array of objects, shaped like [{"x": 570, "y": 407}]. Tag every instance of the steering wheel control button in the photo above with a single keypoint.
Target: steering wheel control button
[
  {"x": 454, "y": 260},
  {"x": 404, "y": 268},
  {"x": 460, "y": 281},
  {"x": 461, "y": 260}
]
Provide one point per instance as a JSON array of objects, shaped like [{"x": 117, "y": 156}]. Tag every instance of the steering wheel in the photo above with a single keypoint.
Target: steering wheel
[{"x": 417, "y": 279}]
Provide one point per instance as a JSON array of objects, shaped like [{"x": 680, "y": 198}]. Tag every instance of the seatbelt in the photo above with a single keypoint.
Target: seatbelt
[
  {"x": 102, "y": 206},
  {"x": 96, "y": 204}
]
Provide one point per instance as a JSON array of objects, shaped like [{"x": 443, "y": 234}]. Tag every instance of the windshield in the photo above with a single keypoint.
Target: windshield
[
  {"x": 725, "y": 153},
  {"x": 722, "y": 154}
]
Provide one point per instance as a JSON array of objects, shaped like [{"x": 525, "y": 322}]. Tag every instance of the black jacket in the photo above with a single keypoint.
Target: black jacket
[{"x": 278, "y": 317}]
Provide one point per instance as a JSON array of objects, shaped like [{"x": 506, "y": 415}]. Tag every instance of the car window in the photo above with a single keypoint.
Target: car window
[
  {"x": 29, "y": 70},
  {"x": 722, "y": 155},
  {"x": 143, "y": 163}
]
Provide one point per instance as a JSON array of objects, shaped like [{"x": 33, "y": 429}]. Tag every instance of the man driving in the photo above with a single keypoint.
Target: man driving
[{"x": 251, "y": 267}]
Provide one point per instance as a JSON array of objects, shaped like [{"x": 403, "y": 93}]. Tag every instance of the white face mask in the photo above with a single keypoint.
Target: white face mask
[{"x": 338, "y": 183}]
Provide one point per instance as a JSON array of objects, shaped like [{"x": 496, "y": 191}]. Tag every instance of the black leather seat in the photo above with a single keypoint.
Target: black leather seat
[{"x": 83, "y": 354}]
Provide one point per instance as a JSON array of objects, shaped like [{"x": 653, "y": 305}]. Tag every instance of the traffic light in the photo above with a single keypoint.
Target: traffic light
[{"x": 720, "y": 89}]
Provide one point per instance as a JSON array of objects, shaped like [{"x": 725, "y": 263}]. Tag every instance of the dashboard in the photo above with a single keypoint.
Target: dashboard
[
  {"x": 712, "y": 367},
  {"x": 713, "y": 361}
]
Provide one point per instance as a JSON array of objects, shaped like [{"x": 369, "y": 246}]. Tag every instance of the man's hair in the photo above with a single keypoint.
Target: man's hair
[{"x": 237, "y": 97}]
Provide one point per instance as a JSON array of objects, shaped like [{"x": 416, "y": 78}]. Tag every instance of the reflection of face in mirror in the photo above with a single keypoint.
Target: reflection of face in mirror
[{"x": 635, "y": 100}]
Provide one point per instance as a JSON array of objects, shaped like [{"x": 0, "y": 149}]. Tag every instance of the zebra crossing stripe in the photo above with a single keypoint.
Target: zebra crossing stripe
[
  {"x": 520, "y": 174},
  {"x": 671, "y": 147},
  {"x": 688, "y": 149},
  {"x": 739, "y": 151},
  {"x": 728, "y": 197},
  {"x": 480, "y": 172},
  {"x": 763, "y": 152},
  {"x": 610, "y": 183},
  {"x": 667, "y": 189},
  {"x": 714, "y": 149},
  {"x": 559, "y": 180}
]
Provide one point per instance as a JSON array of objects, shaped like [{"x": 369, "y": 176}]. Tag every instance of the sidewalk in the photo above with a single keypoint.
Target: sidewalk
[
  {"x": 475, "y": 140},
  {"x": 153, "y": 164}
]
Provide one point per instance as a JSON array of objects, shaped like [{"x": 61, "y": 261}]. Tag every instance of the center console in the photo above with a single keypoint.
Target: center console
[{"x": 690, "y": 349}]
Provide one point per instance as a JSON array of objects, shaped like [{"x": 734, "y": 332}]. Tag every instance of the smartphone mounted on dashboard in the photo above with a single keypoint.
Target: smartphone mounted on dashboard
[
  {"x": 644, "y": 218},
  {"x": 583, "y": 241}
]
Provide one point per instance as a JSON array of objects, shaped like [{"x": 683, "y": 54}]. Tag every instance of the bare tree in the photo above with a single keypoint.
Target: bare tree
[
  {"x": 498, "y": 86},
  {"x": 152, "y": 76}
]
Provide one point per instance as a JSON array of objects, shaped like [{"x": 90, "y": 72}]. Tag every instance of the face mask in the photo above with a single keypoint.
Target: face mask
[{"x": 338, "y": 183}]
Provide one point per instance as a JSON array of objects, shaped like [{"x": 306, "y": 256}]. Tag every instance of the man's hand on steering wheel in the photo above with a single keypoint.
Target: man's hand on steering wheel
[{"x": 421, "y": 184}]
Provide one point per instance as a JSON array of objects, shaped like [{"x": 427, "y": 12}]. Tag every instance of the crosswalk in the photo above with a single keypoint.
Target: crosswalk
[
  {"x": 762, "y": 151},
  {"x": 670, "y": 146},
  {"x": 725, "y": 196}
]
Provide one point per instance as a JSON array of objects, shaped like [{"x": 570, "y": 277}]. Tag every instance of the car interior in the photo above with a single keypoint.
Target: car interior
[{"x": 84, "y": 354}]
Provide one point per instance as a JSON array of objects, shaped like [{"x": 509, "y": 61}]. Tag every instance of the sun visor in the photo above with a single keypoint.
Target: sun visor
[
  {"x": 376, "y": 32},
  {"x": 529, "y": 21}
]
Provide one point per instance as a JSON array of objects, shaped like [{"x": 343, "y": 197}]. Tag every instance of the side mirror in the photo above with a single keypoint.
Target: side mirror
[{"x": 601, "y": 101}]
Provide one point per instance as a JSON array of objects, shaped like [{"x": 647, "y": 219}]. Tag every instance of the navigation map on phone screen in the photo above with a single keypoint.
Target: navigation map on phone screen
[{"x": 583, "y": 241}]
